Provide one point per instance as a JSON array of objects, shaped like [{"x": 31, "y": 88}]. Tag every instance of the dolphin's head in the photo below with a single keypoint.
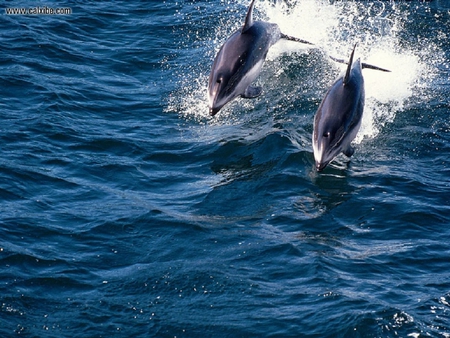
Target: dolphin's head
[
  {"x": 326, "y": 145},
  {"x": 219, "y": 92}
]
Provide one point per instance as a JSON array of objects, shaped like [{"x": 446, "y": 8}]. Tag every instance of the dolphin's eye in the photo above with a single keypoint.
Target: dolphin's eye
[
  {"x": 219, "y": 80},
  {"x": 326, "y": 134}
]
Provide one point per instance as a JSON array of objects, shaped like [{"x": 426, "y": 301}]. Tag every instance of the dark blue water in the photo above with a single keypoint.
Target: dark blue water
[{"x": 126, "y": 211}]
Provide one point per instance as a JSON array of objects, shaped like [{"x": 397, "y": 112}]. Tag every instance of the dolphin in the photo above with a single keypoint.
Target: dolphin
[
  {"x": 240, "y": 59},
  {"x": 339, "y": 116}
]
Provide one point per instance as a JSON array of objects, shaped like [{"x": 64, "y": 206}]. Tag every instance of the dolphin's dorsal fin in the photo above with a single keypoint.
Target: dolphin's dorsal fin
[
  {"x": 349, "y": 67},
  {"x": 249, "y": 18}
]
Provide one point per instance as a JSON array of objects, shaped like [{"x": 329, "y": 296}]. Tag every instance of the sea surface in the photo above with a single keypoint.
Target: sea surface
[{"x": 127, "y": 211}]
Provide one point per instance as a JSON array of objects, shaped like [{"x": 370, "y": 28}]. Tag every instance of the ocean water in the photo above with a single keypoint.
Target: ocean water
[{"x": 127, "y": 211}]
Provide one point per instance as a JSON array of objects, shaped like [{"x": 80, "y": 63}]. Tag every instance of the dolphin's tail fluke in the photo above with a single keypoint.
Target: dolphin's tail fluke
[
  {"x": 363, "y": 65},
  {"x": 338, "y": 60},
  {"x": 291, "y": 38},
  {"x": 366, "y": 65}
]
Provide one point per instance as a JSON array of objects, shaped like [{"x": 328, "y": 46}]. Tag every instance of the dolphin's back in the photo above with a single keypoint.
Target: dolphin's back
[
  {"x": 245, "y": 49},
  {"x": 342, "y": 108}
]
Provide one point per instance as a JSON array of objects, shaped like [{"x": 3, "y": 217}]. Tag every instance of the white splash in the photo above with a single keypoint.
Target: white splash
[
  {"x": 334, "y": 28},
  {"x": 386, "y": 93}
]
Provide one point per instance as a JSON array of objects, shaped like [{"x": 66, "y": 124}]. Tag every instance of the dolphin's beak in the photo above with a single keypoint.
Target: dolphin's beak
[
  {"x": 213, "y": 111},
  {"x": 213, "y": 107},
  {"x": 320, "y": 166}
]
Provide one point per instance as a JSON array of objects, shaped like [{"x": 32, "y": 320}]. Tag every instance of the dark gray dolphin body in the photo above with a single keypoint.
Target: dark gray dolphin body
[
  {"x": 239, "y": 61},
  {"x": 339, "y": 116}
]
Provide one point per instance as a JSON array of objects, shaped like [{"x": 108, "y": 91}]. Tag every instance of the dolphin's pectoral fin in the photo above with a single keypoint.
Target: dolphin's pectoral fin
[
  {"x": 252, "y": 92},
  {"x": 292, "y": 38},
  {"x": 349, "y": 151}
]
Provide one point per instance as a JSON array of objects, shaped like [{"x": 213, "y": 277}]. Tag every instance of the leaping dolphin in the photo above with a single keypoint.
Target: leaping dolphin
[
  {"x": 239, "y": 61},
  {"x": 339, "y": 116}
]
